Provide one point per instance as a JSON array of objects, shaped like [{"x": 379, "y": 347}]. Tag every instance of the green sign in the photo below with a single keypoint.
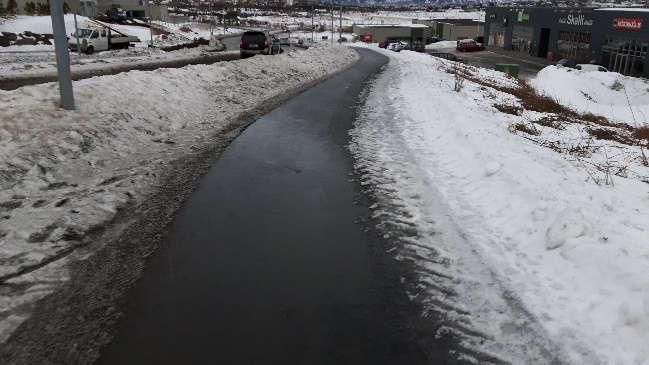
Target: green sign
[{"x": 523, "y": 16}]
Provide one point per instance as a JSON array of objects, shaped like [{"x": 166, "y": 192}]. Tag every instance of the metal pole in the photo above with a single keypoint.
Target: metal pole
[
  {"x": 76, "y": 32},
  {"x": 340, "y": 28},
  {"x": 148, "y": 5},
  {"x": 312, "y": 30},
  {"x": 332, "y": 23},
  {"x": 62, "y": 55}
]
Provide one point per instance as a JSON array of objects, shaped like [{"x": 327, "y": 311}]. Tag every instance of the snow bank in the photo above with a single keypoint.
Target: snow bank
[
  {"x": 617, "y": 97},
  {"x": 549, "y": 265},
  {"x": 441, "y": 45},
  {"x": 64, "y": 174}
]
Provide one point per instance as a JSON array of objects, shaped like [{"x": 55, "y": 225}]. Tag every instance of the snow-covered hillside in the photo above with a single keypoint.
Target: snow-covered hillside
[
  {"x": 617, "y": 97},
  {"x": 518, "y": 235}
]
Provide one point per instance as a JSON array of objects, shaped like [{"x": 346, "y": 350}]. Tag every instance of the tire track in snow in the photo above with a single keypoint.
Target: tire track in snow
[{"x": 452, "y": 282}]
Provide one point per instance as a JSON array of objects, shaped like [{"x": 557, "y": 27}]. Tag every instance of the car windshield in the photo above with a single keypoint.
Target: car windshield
[{"x": 82, "y": 33}]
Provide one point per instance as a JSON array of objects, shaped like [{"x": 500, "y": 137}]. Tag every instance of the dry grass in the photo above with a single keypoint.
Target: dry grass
[
  {"x": 522, "y": 127},
  {"x": 509, "y": 109},
  {"x": 185, "y": 28},
  {"x": 641, "y": 133},
  {"x": 551, "y": 122}
]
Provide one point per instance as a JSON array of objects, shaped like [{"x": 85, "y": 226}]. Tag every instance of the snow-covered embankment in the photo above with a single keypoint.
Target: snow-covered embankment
[
  {"x": 528, "y": 229},
  {"x": 66, "y": 174}
]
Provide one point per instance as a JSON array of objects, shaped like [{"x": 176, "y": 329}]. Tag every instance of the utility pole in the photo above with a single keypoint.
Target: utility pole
[
  {"x": 312, "y": 30},
  {"x": 148, "y": 5},
  {"x": 76, "y": 32},
  {"x": 62, "y": 55},
  {"x": 340, "y": 27},
  {"x": 332, "y": 22}
]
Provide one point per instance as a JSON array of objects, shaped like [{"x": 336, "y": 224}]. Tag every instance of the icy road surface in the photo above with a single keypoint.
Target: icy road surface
[{"x": 269, "y": 261}]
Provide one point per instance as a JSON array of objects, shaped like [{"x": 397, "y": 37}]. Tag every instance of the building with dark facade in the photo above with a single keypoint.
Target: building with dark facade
[{"x": 616, "y": 38}]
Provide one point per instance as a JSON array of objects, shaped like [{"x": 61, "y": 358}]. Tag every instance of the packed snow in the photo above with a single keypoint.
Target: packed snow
[
  {"x": 542, "y": 263},
  {"x": 64, "y": 174},
  {"x": 610, "y": 94}
]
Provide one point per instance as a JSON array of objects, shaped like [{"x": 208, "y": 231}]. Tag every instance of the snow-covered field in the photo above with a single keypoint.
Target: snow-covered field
[
  {"x": 532, "y": 254},
  {"x": 617, "y": 97},
  {"x": 64, "y": 174}
]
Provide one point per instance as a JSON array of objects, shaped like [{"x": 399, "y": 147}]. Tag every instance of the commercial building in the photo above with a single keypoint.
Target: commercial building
[
  {"x": 411, "y": 33},
  {"x": 453, "y": 29},
  {"x": 616, "y": 38}
]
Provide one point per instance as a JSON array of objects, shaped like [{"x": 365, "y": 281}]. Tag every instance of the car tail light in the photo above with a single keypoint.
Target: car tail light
[
  {"x": 242, "y": 43},
  {"x": 265, "y": 42}
]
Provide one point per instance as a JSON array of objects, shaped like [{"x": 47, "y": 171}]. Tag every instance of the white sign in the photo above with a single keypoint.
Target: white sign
[{"x": 576, "y": 19}]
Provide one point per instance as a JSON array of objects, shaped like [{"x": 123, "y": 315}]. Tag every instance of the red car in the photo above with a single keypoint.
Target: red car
[{"x": 469, "y": 45}]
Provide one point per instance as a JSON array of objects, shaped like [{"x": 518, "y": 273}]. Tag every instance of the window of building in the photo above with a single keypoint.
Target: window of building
[
  {"x": 497, "y": 35},
  {"x": 626, "y": 56},
  {"x": 522, "y": 39},
  {"x": 574, "y": 45}
]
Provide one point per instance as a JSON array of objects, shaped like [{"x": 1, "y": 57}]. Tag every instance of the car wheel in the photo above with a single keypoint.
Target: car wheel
[{"x": 90, "y": 50}]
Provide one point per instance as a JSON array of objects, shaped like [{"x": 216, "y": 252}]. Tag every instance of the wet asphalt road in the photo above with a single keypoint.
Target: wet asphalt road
[{"x": 266, "y": 263}]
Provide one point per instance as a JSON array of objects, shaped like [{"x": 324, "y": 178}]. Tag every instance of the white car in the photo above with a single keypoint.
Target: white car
[
  {"x": 590, "y": 67},
  {"x": 397, "y": 46}
]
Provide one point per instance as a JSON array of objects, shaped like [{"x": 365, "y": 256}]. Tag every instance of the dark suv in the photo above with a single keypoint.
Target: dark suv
[{"x": 256, "y": 42}]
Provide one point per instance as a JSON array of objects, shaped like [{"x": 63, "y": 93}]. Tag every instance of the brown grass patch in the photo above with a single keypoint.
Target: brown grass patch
[
  {"x": 610, "y": 134},
  {"x": 551, "y": 122},
  {"x": 641, "y": 133},
  {"x": 509, "y": 109},
  {"x": 185, "y": 28},
  {"x": 522, "y": 127}
]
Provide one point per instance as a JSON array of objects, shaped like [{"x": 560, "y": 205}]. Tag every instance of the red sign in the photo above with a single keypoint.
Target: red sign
[
  {"x": 628, "y": 23},
  {"x": 366, "y": 38}
]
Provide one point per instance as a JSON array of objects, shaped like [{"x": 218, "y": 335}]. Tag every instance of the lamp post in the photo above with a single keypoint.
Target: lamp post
[{"x": 62, "y": 55}]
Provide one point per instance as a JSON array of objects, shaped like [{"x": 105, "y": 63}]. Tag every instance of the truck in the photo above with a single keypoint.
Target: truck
[{"x": 100, "y": 38}]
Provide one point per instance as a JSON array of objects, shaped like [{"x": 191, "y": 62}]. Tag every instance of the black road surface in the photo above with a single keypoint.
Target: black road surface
[{"x": 267, "y": 263}]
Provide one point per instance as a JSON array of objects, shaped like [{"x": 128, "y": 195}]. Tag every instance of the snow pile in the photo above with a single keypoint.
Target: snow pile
[
  {"x": 66, "y": 174},
  {"x": 441, "y": 45},
  {"x": 530, "y": 259},
  {"x": 617, "y": 97}
]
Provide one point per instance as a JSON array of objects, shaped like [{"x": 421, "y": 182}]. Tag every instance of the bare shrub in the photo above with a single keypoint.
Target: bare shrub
[{"x": 185, "y": 28}]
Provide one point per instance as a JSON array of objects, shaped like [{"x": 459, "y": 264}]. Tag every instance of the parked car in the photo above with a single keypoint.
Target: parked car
[
  {"x": 398, "y": 46},
  {"x": 590, "y": 67},
  {"x": 257, "y": 42},
  {"x": 567, "y": 62},
  {"x": 469, "y": 45}
]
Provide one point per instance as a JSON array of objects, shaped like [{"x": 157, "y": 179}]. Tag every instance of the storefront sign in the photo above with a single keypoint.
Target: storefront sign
[
  {"x": 576, "y": 19},
  {"x": 523, "y": 16},
  {"x": 627, "y": 23}
]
